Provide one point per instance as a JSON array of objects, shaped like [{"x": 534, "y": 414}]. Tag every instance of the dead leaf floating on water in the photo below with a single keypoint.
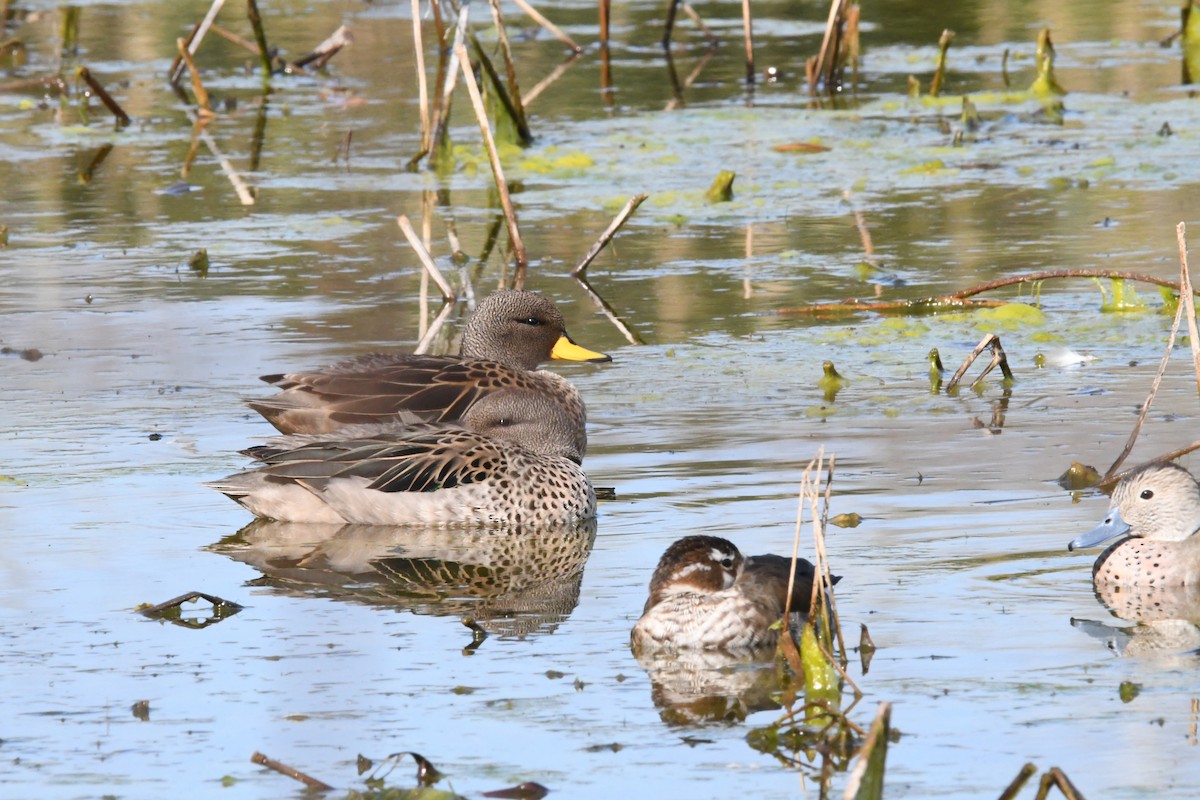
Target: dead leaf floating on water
[
  {"x": 801, "y": 147},
  {"x": 524, "y": 791}
]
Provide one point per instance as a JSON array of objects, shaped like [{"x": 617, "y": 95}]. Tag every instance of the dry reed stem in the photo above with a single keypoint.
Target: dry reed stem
[
  {"x": 193, "y": 41},
  {"x": 1185, "y": 294},
  {"x": 510, "y": 215},
  {"x": 422, "y": 84},
  {"x": 514, "y": 89},
  {"x": 1020, "y": 780},
  {"x": 749, "y": 38},
  {"x": 112, "y": 105},
  {"x": 260, "y": 36},
  {"x": 554, "y": 75},
  {"x": 614, "y": 226},
  {"x": 197, "y": 85},
  {"x": 537, "y": 17},
  {"x": 448, "y": 84},
  {"x": 823, "y": 68},
  {"x": 283, "y": 769},
  {"x": 992, "y": 341}
]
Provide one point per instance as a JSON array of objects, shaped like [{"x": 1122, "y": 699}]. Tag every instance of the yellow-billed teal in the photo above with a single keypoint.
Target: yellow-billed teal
[
  {"x": 508, "y": 336},
  {"x": 706, "y": 595},
  {"x": 1157, "y": 508},
  {"x": 513, "y": 461}
]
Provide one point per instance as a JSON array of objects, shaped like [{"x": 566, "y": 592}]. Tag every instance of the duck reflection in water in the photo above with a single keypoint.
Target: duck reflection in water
[
  {"x": 1151, "y": 575},
  {"x": 511, "y": 583},
  {"x": 707, "y": 634}
]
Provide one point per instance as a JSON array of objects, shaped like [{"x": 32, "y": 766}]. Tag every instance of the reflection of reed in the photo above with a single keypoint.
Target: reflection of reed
[{"x": 511, "y": 583}]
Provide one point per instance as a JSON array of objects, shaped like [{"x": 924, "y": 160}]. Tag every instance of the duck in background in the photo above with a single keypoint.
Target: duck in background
[
  {"x": 510, "y": 334},
  {"x": 511, "y": 461}
]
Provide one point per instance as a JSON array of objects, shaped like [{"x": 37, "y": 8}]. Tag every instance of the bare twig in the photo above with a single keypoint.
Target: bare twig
[
  {"x": 291, "y": 772},
  {"x": 548, "y": 25},
  {"x": 609, "y": 232},
  {"x": 197, "y": 85},
  {"x": 510, "y": 215},
  {"x": 197, "y": 36},
  {"x": 821, "y": 70},
  {"x": 1035, "y": 277},
  {"x": 114, "y": 108},
  {"x": 426, "y": 260}
]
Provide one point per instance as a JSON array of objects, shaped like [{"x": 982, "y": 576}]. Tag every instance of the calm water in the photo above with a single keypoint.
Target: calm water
[{"x": 992, "y": 647}]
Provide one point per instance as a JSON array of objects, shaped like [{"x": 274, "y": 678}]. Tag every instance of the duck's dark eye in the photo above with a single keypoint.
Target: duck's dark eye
[
  {"x": 727, "y": 563},
  {"x": 532, "y": 321},
  {"x": 1146, "y": 494}
]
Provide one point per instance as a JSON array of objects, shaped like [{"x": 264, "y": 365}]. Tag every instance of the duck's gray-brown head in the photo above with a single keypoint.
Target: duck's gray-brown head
[
  {"x": 521, "y": 329},
  {"x": 528, "y": 419}
]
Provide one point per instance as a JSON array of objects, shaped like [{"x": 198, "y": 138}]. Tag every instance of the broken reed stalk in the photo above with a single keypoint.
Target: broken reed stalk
[
  {"x": 283, "y": 769},
  {"x": 197, "y": 85},
  {"x": 606, "y": 237},
  {"x": 605, "y": 16},
  {"x": 821, "y": 70},
  {"x": 422, "y": 84},
  {"x": 193, "y": 41},
  {"x": 1185, "y": 294},
  {"x": 327, "y": 49},
  {"x": 510, "y": 72},
  {"x": 114, "y": 108},
  {"x": 510, "y": 215},
  {"x": 1022, "y": 777},
  {"x": 939, "y": 71},
  {"x": 555, "y": 31},
  {"x": 991, "y": 341},
  {"x": 260, "y": 36}
]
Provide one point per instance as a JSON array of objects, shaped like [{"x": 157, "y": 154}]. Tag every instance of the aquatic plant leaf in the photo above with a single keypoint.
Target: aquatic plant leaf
[
  {"x": 1128, "y": 690},
  {"x": 1078, "y": 476},
  {"x": 801, "y": 147},
  {"x": 850, "y": 520},
  {"x": 1191, "y": 43},
  {"x": 821, "y": 684},
  {"x": 721, "y": 190},
  {"x": 866, "y": 778}
]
